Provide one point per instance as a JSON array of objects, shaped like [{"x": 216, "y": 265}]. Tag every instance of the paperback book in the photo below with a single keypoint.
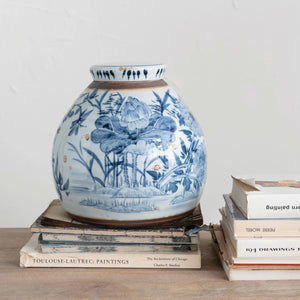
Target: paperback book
[
  {"x": 262, "y": 247},
  {"x": 119, "y": 243},
  {"x": 243, "y": 227},
  {"x": 251, "y": 270},
  {"x": 55, "y": 238},
  {"x": 113, "y": 256},
  {"x": 257, "y": 260},
  {"x": 60, "y": 241},
  {"x": 266, "y": 198}
]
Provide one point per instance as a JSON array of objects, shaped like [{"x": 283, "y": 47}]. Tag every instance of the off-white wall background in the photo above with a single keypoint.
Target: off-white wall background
[{"x": 235, "y": 63}]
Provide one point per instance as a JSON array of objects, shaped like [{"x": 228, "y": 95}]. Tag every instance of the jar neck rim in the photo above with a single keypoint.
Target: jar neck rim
[{"x": 128, "y": 72}]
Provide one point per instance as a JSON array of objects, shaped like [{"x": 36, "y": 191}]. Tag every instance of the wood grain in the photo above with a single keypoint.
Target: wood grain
[{"x": 208, "y": 283}]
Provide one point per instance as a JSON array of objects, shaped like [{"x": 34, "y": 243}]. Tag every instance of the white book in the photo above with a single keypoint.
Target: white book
[
  {"x": 263, "y": 274},
  {"x": 266, "y": 198},
  {"x": 254, "y": 271},
  {"x": 243, "y": 227},
  {"x": 32, "y": 256},
  {"x": 262, "y": 247},
  {"x": 274, "y": 261}
]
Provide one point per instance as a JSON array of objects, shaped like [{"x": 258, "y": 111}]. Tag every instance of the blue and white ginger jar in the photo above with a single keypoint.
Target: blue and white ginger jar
[{"x": 129, "y": 152}]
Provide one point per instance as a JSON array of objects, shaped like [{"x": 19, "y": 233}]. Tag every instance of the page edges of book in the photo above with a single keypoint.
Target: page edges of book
[{"x": 239, "y": 197}]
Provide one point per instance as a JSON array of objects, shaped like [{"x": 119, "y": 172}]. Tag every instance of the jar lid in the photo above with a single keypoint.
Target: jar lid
[{"x": 128, "y": 72}]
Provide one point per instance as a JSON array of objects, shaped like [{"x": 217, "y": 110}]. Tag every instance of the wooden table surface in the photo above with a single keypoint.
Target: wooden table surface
[{"x": 76, "y": 283}]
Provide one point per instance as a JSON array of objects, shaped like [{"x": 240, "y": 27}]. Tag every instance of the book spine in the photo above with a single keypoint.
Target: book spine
[
  {"x": 246, "y": 274},
  {"x": 249, "y": 272},
  {"x": 268, "y": 247},
  {"x": 80, "y": 238},
  {"x": 262, "y": 247},
  {"x": 176, "y": 232},
  {"x": 116, "y": 248},
  {"x": 131, "y": 260},
  {"x": 273, "y": 206},
  {"x": 266, "y": 228},
  {"x": 262, "y": 228},
  {"x": 243, "y": 227}
]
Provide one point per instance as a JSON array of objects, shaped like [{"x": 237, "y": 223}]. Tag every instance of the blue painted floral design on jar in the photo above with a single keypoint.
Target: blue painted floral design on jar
[{"x": 129, "y": 152}]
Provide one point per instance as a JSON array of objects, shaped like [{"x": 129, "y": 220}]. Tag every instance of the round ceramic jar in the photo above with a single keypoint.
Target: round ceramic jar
[{"x": 129, "y": 152}]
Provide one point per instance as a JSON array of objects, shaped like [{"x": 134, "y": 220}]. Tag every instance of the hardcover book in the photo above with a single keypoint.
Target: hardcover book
[
  {"x": 252, "y": 271},
  {"x": 243, "y": 227},
  {"x": 266, "y": 198}
]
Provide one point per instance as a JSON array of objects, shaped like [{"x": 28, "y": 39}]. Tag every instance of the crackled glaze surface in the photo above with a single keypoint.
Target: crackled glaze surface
[{"x": 129, "y": 153}]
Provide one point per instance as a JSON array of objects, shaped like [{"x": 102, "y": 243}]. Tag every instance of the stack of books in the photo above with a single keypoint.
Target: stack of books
[
  {"x": 259, "y": 234},
  {"x": 59, "y": 241}
]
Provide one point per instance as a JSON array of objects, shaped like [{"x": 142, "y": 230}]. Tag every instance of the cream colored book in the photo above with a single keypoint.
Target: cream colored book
[
  {"x": 262, "y": 247},
  {"x": 243, "y": 227},
  {"x": 252, "y": 271},
  {"x": 280, "y": 261},
  {"x": 115, "y": 257},
  {"x": 266, "y": 198}
]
